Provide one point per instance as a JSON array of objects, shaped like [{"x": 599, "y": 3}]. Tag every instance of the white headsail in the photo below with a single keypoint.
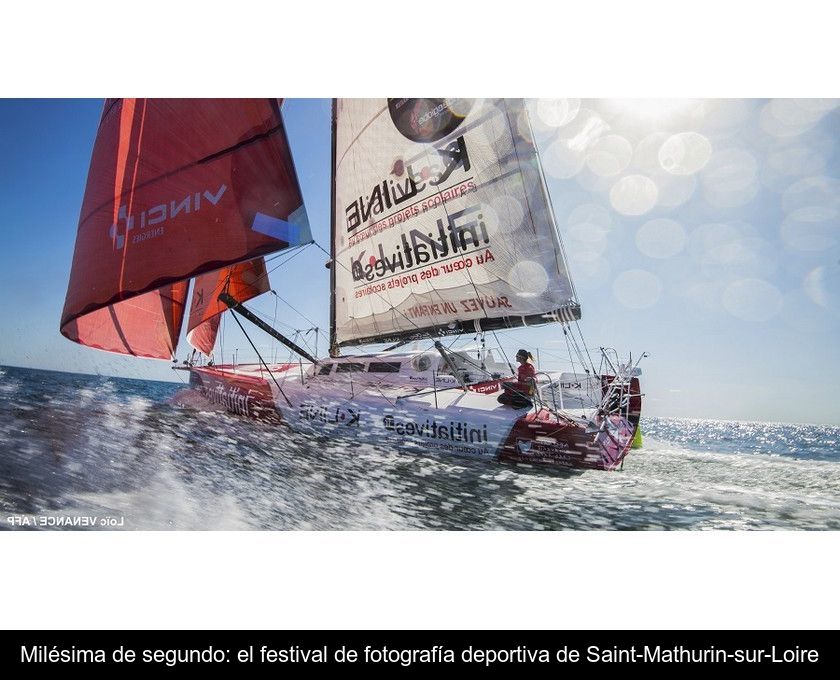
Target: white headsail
[{"x": 441, "y": 221}]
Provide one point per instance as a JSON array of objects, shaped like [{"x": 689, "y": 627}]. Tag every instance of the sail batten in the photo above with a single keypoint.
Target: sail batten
[
  {"x": 176, "y": 188},
  {"x": 441, "y": 222}
]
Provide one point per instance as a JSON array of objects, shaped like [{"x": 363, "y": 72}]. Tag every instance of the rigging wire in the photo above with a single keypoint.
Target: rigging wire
[
  {"x": 295, "y": 252},
  {"x": 264, "y": 316},
  {"x": 580, "y": 356},
  {"x": 583, "y": 342},
  {"x": 294, "y": 309},
  {"x": 239, "y": 323},
  {"x": 275, "y": 324},
  {"x": 568, "y": 347},
  {"x": 292, "y": 253},
  {"x": 223, "y": 285},
  {"x": 504, "y": 354}
]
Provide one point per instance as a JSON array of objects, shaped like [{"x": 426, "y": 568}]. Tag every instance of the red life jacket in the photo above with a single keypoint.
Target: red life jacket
[{"x": 524, "y": 377}]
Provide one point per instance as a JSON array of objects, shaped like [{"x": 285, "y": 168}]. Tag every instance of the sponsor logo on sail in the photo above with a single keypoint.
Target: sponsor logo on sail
[
  {"x": 149, "y": 223},
  {"x": 463, "y": 232},
  {"x": 198, "y": 300},
  {"x": 392, "y": 193},
  {"x": 428, "y": 120}
]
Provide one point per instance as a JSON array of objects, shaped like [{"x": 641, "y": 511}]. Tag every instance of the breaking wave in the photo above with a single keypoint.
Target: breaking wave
[{"x": 130, "y": 454}]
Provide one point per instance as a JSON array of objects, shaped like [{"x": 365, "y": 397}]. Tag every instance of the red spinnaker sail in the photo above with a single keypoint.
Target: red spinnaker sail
[
  {"x": 241, "y": 281},
  {"x": 176, "y": 188},
  {"x": 146, "y": 325}
]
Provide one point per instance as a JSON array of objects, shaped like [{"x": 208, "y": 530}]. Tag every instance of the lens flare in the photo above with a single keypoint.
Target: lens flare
[
  {"x": 634, "y": 195},
  {"x": 653, "y": 111},
  {"x": 660, "y": 238},
  {"x": 730, "y": 179},
  {"x": 589, "y": 270},
  {"x": 637, "y": 289},
  {"x": 812, "y": 191},
  {"x": 685, "y": 153},
  {"x": 529, "y": 278},
  {"x": 811, "y": 229},
  {"x": 752, "y": 300},
  {"x": 799, "y": 160},
  {"x": 786, "y": 163},
  {"x": 557, "y": 112},
  {"x": 822, "y": 285},
  {"x": 646, "y": 155},
  {"x": 562, "y": 160},
  {"x": 790, "y": 117},
  {"x": 609, "y": 155},
  {"x": 801, "y": 313},
  {"x": 590, "y": 214},
  {"x": 728, "y": 116},
  {"x": 588, "y": 239},
  {"x": 675, "y": 190},
  {"x": 749, "y": 256}
]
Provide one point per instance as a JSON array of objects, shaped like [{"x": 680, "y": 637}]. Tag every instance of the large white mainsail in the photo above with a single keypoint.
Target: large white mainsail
[{"x": 441, "y": 222}]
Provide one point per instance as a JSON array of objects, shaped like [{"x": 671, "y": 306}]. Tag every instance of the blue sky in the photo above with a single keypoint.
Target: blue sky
[{"x": 704, "y": 232}]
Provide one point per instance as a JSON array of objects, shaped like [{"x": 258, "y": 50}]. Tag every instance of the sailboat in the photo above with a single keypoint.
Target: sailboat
[{"x": 441, "y": 227}]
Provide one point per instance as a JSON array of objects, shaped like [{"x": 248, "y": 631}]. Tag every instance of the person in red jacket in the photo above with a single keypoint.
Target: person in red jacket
[{"x": 518, "y": 394}]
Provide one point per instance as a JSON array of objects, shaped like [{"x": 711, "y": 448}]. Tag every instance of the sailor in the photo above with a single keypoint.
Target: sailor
[{"x": 519, "y": 394}]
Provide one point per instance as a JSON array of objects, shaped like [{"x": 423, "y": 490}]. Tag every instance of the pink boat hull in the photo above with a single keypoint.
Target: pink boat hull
[{"x": 535, "y": 436}]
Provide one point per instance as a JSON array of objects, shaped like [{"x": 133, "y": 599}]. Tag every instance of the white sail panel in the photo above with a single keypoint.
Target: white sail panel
[{"x": 441, "y": 222}]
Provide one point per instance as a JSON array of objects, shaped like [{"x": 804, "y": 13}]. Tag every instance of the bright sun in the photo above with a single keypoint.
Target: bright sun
[{"x": 652, "y": 110}]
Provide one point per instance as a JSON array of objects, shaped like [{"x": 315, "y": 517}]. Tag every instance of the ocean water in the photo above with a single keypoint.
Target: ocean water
[{"x": 81, "y": 451}]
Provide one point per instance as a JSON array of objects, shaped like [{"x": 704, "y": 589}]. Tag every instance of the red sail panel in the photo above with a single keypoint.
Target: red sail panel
[
  {"x": 147, "y": 325},
  {"x": 242, "y": 281},
  {"x": 203, "y": 336},
  {"x": 176, "y": 188}
]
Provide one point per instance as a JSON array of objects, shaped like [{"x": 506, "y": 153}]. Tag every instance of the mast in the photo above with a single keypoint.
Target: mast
[{"x": 334, "y": 348}]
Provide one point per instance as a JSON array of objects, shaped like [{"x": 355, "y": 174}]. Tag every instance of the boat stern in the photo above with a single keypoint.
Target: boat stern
[{"x": 543, "y": 438}]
